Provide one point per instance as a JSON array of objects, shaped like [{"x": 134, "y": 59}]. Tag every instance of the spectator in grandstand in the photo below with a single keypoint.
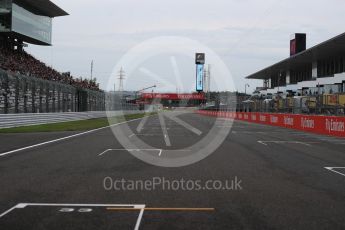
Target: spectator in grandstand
[{"x": 25, "y": 64}]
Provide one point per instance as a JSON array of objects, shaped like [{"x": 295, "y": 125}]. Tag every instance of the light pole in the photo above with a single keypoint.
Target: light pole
[
  {"x": 245, "y": 88},
  {"x": 91, "y": 70}
]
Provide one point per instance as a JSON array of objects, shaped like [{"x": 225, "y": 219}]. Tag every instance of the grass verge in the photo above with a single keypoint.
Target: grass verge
[{"x": 82, "y": 125}]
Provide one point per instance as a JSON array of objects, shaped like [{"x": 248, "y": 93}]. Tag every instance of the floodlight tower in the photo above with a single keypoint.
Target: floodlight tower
[
  {"x": 209, "y": 78},
  {"x": 208, "y": 84},
  {"x": 205, "y": 79}
]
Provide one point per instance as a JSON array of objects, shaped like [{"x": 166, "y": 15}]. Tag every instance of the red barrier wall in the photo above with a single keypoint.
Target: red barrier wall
[
  {"x": 327, "y": 125},
  {"x": 174, "y": 96}
]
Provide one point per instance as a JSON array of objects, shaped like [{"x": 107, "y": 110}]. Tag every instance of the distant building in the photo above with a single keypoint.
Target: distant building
[{"x": 318, "y": 70}]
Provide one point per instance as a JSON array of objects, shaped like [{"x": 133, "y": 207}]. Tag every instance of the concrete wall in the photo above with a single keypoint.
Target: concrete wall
[{"x": 26, "y": 119}]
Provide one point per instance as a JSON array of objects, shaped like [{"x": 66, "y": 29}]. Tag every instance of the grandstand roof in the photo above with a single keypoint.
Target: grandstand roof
[
  {"x": 331, "y": 47},
  {"x": 42, "y": 7}
]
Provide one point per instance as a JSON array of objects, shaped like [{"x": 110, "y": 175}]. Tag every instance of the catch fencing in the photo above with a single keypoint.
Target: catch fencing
[
  {"x": 326, "y": 104},
  {"x": 23, "y": 94}
]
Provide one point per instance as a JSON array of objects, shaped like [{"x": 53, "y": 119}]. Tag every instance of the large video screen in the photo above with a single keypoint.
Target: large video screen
[
  {"x": 31, "y": 25},
  {"x": 199, "y": 77},
  {"x": 5, "y": 15}
]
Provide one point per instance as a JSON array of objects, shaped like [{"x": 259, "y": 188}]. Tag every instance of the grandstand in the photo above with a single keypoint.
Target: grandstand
[
  {"x": 26, "y": 21},
  {"x": 310, "y": 80},
  {"x": 320, "y": 68},
  {"x": 27, "y": 84},
  {"x": 23, "y": 63}
]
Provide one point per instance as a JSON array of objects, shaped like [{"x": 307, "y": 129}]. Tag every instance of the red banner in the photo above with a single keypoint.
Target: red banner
[
  {"x": 328, "y": 125},
  {"x": 173, "y": 96}
]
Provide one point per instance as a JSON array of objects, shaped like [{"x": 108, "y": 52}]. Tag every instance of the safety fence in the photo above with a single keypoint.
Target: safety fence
[
  {"x": 24, "y": 94},
  {"x": 326, "y": 125},
  {"x": 327, "y": 104}
]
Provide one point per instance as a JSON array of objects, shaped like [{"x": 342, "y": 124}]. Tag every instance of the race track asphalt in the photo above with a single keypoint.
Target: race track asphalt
[{"x": 282, "y": 179}]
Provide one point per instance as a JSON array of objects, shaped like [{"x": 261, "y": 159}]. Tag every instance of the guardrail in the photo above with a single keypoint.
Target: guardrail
[{"x": 26, "y": 119}]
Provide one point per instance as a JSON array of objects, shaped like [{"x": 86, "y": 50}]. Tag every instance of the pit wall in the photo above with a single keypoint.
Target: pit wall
[{"x": 325, "y": 125}]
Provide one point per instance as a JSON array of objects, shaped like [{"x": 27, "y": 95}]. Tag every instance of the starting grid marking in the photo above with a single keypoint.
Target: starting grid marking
[
  {"x": 303, "y": 135},
  {"x": 83, "y": 208},
  {"x": 287, "y": 142},
  {"x": 160, "y": 151},
  {"x": 165, "y": 126},
  {"x": 333, "y": 169},
  {"x": 88, "y": 208},
  {"x": 67, "y": 137},
  {"x": 150, "y": 135},
  {"x": 131, "y": 150}
]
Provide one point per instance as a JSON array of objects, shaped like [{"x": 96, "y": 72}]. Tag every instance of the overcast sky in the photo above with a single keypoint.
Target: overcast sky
[{"x": 247, "y": 35}]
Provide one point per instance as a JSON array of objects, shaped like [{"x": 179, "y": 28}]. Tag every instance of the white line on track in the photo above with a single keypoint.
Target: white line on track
[
  {"x": 164, "y": 129},
  {"x": 131, "y": 150},
  {"x": 137, "y": 225},
  {"x": 331, "y": 140},
  {"x": 145, "y": 135},
  {"x": 24, "y": 205},
  {"x": 249, "y": 132},
  {"x": 63, "y": 138},
  {"x": 153, "y": 128},
  {"x": 134, "y": 206},
  {"x": 263, "y": 143},
  {"x": 184, "y": 124},
  {"x": 287, "y": 142},
  {"x": 332, "y": 170},
  {"x": 8, "y": 211},
  {"x": 141, "y": 124},
  {"x": 151, "y": 135}
]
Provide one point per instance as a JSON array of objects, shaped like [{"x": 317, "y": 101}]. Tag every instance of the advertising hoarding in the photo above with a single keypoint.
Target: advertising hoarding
[
  {"x": 327, "y": 125},
  {"x": 173, "y": 96}
]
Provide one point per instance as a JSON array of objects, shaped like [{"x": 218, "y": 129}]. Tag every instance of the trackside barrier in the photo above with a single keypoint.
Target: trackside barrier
[
  {"x": 26, "y": 119},
  {"x": 326, "y": 125}
]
